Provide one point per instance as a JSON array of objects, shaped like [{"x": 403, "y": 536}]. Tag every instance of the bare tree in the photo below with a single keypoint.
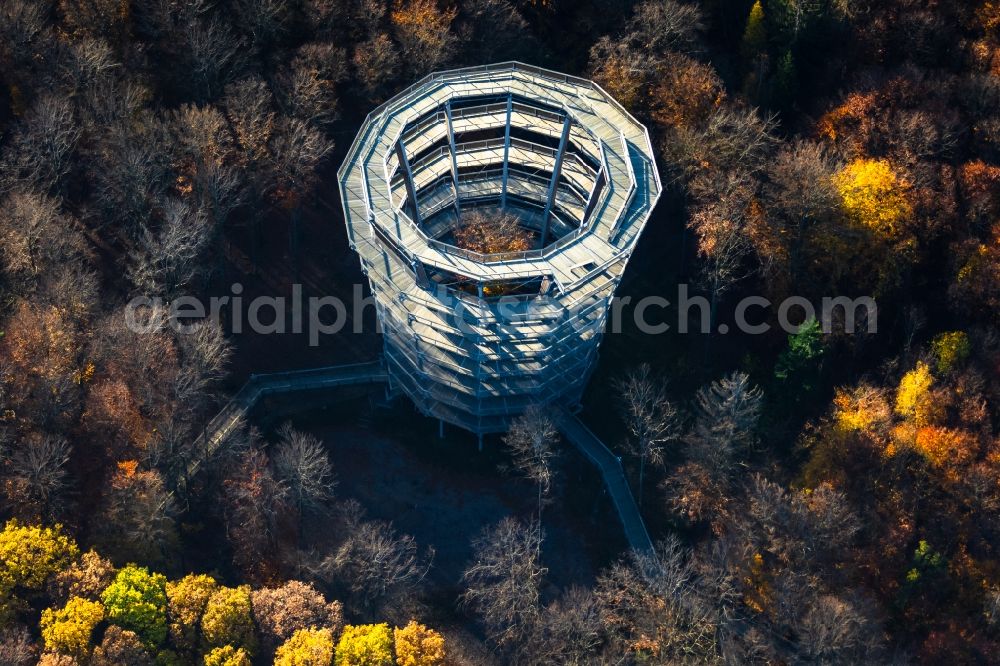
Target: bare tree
[
  {"x": 660, "y": 606},
  {"x": 723, "y": 242},
  {"x": 23, "y": 25},
  {"x": 651, "y": 419},
  {"x": 137, "y": 519},
  {"x": 265, "y": 21},
  {"x": 40, "y": 155},
  {"x": 206, "y": 353},
  {"x": 383, "y": 571},
  {"x": 87, "y": 63},
  {"x": 805, "y": 531},
  {"x": 503, "y": 582},
  {"x": 423, "y": 31},
  {"x": 733, "y": 140},
  {"x": 170, "y": 258},
  {"x": 256, "y": 503},
  {"x": 725, "y": 423},
  {"x": 36, "y": 237},
  {"x": 800, "y": 197},
  {"x": 377, "y": 64},
  {"x": 211, "y": 53},
  {"x": 530, "y": 439},
  {"x": 16, "y": 647},
  {"x": 130, "y": 172},
  {"x": 120, "y": 646},
  {"x": 570, "y": 630},
  {"x": 301, "y": 462},
  {"x": 296, "y": 149},
  {"x": 661, "y": 26},
  {"x": 250, "y": 108},
  {"x": 87, "y": 577},
  {"x": 37, "y": 480},
  {"x": 839, "y": 630},
  {"x": 309, "y": 85},
  {"x": 281, "y": 611},
  {"x": 493, "y": 31}
]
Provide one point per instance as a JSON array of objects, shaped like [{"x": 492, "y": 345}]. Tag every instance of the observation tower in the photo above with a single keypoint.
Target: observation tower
[{"x": 494, "y": 209}]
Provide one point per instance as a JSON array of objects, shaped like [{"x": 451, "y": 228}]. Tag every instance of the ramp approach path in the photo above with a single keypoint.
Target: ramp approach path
[
  {"x": 232, "y": 414},
  {"x": 614, "y": 478},
  {"x": 374, "y": 372}
]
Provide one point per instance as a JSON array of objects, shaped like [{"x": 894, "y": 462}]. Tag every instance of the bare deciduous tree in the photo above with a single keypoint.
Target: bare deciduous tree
[
  {"x": 16, "y": 647},
  {"x": 120, "y": 646},
  {"x": 530, "y": 439},
  {"x": 36, "y": 237},
  {"x": 250, "y": 109},
  {"x": 660, "y": 606},
  {"x": 423, "y": 31},
  {"x": 493, "y": 31},
  {"x": 301, "y": 462},
  {"x": 265, "y": 21},
  {"x": 22, "y": 27},
  {"x": 255, "y": 505},
  {"x": 503, "y": 582},
  {"x": 651, "y": 419},
  {"x": 170, "y": 258},
  {"x": 570, "y": 630},
  {"x": 377, "y": 64},
  {"x": 660, "y": 26},
  {"x": 384, "y": 571},
  {"x": 723, "y": 242},
  {"x": 137, "y": 519},
  {"x": 211, "y": 53},
  {"x": 281, "y": 611},
  {"x": 309, "y": 85},
  {"x": 40, "y": 155},
  {"x": 838, "y": 629},
  {"x": 37, "y": 474},
  {"x": 804, "y": 531},
  {"x": 130, "y": 172}
]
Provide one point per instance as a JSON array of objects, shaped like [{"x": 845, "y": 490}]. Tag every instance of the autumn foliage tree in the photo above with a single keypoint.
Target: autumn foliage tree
[{"x": 492, "y": 233}]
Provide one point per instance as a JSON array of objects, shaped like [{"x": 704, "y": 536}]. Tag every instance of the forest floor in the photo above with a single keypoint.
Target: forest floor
[{"x": 444, "y": 492}]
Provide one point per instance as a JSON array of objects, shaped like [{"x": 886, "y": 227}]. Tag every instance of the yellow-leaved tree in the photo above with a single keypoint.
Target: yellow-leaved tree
[
  {"x": 28, "y": 557},
  {"x": 306, "y": 647},
  {"x": 913, "y": 397},
  {"x": 227, "y": 655},
  {"x": 416, "y": 645},
  {"x": 365, "y": 645},
  {"x": 67, "y": 630},
  {"x": 227, "y": 619},
  {"x": 186, "y": 602},
  {"x": 873, "y": 195}
]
